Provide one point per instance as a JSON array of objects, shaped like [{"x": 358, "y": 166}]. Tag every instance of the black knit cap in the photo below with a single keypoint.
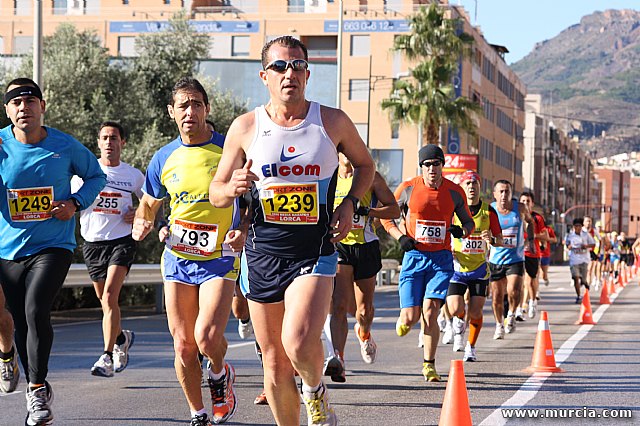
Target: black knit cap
[{"x": 430, "y": 152}]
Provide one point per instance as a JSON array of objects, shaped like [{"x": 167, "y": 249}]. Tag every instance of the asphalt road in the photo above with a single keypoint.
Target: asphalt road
[{"x": 601, "y": 366}]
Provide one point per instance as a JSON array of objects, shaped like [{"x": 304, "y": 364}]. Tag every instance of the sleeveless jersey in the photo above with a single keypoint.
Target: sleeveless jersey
[
  {"x": 470, "y": 253},
  {"x": 292, "y": 203},
  {"x": 362, "y": 230},
  {"x": 184, "y": 172},
  {"x": 512, "y": 235},
  {"x": 104, "y": 219}
]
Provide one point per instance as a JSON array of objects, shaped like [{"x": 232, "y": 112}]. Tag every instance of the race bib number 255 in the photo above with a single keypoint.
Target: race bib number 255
[{"x": 30, "y": 204}]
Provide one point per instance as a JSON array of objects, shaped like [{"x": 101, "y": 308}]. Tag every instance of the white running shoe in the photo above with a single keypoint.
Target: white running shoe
[
  {"x": 368, "y": 348},
  {"x": 519, "y": 315},
  {"x": 510, "y": 324},
  {"x": 458, "y": 342},
  {"x": 458, "y": 325},
  {"x": 121, "y": 352},
  {"x": 469, "y": 353},
  {"x": 39, "y": 405},
  {"x": 499, "y": 334},
  {"x": 245, "y": 329},
  {"x": 533, "y": 309},
  {"x": 9, "y": 373},
  {"x": 447, "y": 338},
  {"x": 442, "y": 322},
  {"x": 103, "y": 367}
]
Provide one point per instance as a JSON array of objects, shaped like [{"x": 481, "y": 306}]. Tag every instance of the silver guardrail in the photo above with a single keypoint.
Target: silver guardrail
[{"x": 139, "y": 274}]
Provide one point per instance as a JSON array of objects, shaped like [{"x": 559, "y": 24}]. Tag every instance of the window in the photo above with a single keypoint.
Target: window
[
  {"x": 395, "y": 130},
  {"x": 2, "y": 46},
  {"x": 359, "y": 90},
  {"x": 360, "y": 45},
  {"x": 240, "y": 45},
  {"x": 389, "y": 165},
  {"x": 21, "y": 8},
  {"x": 363, "y": 130},
  {"x": 321, "y": 46},
  {"x": 220, "y": 46},
  {"x": 59, "y": 7},
  {"x": 127, "y": 46},
  {"x": 295, "y": 6}
]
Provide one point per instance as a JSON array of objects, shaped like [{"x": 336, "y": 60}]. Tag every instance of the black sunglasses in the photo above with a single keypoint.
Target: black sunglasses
[
  {"x": 280, "y": 65},
  {"x": 435, "y": 163}
]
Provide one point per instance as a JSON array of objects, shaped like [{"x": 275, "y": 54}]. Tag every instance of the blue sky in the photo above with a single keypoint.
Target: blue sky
[{"x": 519, "y": 24}]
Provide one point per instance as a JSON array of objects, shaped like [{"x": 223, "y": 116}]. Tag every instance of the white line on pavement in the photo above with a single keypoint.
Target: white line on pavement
[{"x": 530, "y": 388}]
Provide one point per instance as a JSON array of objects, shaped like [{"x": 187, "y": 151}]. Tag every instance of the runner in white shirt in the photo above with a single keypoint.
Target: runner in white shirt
[
  {"x": 579, "y": 242},
  {"x": 109, "y": 249}
]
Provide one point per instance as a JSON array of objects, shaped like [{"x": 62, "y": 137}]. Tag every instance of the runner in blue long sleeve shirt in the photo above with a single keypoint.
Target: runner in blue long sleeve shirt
[{"x": 37, "y": 227}]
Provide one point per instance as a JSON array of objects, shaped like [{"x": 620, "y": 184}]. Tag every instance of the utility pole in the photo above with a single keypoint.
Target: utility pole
[
  {"x": 339, "y": 57},
  {"x": 37, "y": 42}
]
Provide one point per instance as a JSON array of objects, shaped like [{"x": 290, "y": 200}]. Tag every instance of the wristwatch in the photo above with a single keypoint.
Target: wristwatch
[
  {"x": 354, "y": 200},
  {"x": 76, "y": 203}
]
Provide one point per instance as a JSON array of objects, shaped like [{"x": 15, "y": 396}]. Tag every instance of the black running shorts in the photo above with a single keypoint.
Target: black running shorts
[
  {"x": 499, "y": 272},
  {"x": 531, "y": 266},
  {"x": 476, "y": 288},
  {"x": 100, "y": 255},
  {"x": 364, "y": 258}
]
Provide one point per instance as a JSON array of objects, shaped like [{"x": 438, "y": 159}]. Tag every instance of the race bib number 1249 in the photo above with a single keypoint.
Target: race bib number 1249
[{"x": 30, "y": 204}]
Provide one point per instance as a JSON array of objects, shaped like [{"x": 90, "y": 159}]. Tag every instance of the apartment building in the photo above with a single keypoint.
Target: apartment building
[{"x": 237, "y": 30}]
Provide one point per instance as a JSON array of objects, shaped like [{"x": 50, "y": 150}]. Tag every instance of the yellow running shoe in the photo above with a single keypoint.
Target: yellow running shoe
[
  {"x": 429, "y": 372},
  {"x": 402, "y": 329}
]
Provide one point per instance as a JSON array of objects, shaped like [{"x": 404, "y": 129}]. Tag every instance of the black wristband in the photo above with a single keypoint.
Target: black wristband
[
  {"x": 76, "y": 203},
  {"x": 354, "y": 200}
]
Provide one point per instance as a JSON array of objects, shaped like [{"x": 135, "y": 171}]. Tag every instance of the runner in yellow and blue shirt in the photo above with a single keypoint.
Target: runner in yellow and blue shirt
[
  {"x": 471, "y": 270},
  {"x": 200, "y": 263}
]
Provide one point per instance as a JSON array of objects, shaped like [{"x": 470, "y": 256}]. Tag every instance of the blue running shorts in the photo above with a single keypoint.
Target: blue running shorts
[
  {"x": 424, "y": 275},
  {"x": 196, "y": 272},
  {"x": 265, "y": 278}
]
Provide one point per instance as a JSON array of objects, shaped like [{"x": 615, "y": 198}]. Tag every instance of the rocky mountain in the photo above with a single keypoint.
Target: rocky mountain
[{"x": 589, "y": 76}]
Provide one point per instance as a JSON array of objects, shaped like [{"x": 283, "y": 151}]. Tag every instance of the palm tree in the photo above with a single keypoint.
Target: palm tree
[{"x": 436, "y": 45}]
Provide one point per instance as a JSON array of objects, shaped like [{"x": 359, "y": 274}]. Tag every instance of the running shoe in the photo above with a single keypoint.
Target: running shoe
[
  {"x": 402, "y": 329},
  {"x": 334, "y": 367},
  {"x": 533, "y": 309},
  {"x": 39, "y": 405},
  {"x": 121, "y": 352},
  {"x": 261, "y": 399},
  {"x": 223, "y": 396},
  {"x": 9, "y": 373},
  {"x": 447, "y": 337},
  {"x": 368, "y": 348},
  {"x": 319, "y": 412},
  {"x": 469, "y": 353},
  {"x": 546, "y": 283},
  {"x": 200, "y": 420},
  {"x": 519, "y": 315},
  {"x": 499, "y": 334},
  {"x": 103, "y": 367},
  {"x": 510, "y": 324},
  {"x": 245, "y": 329},
  {"x": 458, "y": 325},
  {"x": 429, "y": 372},
  {"x": 578, "y": 300},
  {"x": 442, "y": 322},
  {"x": 458, "y": 342}
]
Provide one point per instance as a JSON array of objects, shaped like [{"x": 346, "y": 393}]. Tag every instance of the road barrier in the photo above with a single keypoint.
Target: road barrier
[
  {"x": 390, "y": 267},
  {"x": 140, "y": 274}
]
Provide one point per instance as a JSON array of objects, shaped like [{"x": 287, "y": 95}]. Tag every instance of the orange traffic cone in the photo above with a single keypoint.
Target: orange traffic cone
[
  {"x": 619, "y": 283},
  {"x": 612, "y": 287},
  {"x": 455, "y": 407},
  {"x": 543, "y": 359},
  {"x": 604, "y": 296},
  {"x": 625, "y": 276},
  {"x": 586, "y": 316}
]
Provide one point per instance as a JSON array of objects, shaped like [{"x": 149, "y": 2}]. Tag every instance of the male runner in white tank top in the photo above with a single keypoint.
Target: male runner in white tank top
[{"x": 290, "y": 147}]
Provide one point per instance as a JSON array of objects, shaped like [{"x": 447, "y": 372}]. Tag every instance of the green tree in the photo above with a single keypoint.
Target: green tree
[{"x": 436, "y": 45}]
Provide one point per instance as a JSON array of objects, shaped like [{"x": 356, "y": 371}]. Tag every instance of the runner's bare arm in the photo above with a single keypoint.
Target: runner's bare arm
[
  {"x": 387, "y": 207},
  {"x": 145, "y": 215},
  {"x": 234, "y": 177}
]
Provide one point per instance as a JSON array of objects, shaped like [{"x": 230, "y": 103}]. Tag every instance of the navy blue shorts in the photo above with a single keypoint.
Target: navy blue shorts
[{"x": 265, "y": 278}]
